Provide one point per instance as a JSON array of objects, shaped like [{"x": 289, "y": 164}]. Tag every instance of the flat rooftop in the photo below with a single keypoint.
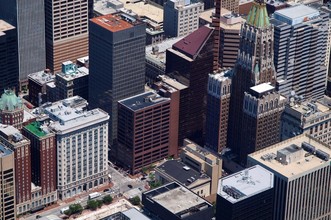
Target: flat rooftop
[
  {"x": 245, "y": 184},
  {"x": 4, "y": 26},
  {"x": 228, "y": 21},
  {"x": 302, "y": 165},
  {"x": 177, "y": 199},
  {"x": 134, "y": 214},
  {"x": 199, "y": 153},
  {"x": 42, "y": 77},
  {"x": 4, "y": 151},
  {"x": 172, "y": 82},
  {"x": 144, "y": 100},
  {"x": 181, "y": 172},
  {"x": 262, "y": 88},
  {"x": 8, "y": 130},
  {"x": 111, "y": 22},
  {"x": 296, "y": 14},
  {"x": 80, "y": 72},
  {"x": 37, "y": 129},
  {"x": 150, "y": 11},
  {"x": 70, "y": 114}
]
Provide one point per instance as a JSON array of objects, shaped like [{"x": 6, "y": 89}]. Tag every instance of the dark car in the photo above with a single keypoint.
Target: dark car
[
  {"x": 106, "y": 190},
  {"x": 130, "y": 186}
]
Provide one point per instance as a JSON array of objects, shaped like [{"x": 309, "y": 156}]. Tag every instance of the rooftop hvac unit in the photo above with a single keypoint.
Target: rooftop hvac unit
[
  {"x": 322, "y": 155},
  {"x": 308, "y": 147}
]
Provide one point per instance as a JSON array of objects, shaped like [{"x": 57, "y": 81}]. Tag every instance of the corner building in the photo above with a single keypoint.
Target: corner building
[{"x": 116, "y": 64}]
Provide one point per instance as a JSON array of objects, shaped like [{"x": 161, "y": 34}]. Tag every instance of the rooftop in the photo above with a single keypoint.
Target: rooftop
[
  {"x": 177, "y": 199},
  {"x": 10, "y": 102},
  {"x": 296, "y": 14},
  {"x": 157, "y": 52},
  {"x": 4, "y": 151},
  {"x": 144, "y": 100},
  {"x": 104, "y": 7},
  {"x": 181, "y": 172},
  {"x": 37, "y": 129},
  {"x": 42, "y": 77},
  {"x": 172, "y": 82},
  {"x": 12, "y": 134},
  {"x": 293, "y": 163},
  {"x": 4, "y": 26},
  {"x": 134, "y": 214},
  {"x": 112, "y": 23},
  {"x": 70, "y": 114},
  {"x": 147, "y": 10},
  {"x": 262, "y": 88},
  {"x": 258, "y": 15},
  {"x": 228, "y": 20},
  {"x": 245, "y": 184},
  {"x": 200, "y": 154},
  {"x": 70, "y": 71},
  {"x": 194, "y": 42}
]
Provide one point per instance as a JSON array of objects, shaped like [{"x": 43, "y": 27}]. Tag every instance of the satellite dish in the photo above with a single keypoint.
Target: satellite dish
[{"x": 292, "y": 93}]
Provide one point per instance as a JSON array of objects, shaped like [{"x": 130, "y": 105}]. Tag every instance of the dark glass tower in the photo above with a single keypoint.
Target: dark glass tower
[{"x": 116, "y": 63}]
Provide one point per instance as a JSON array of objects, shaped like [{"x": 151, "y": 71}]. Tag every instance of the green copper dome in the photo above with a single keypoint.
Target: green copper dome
[
  {"x": 258, "y": 15},
  {"x": 9, "y": 101}
]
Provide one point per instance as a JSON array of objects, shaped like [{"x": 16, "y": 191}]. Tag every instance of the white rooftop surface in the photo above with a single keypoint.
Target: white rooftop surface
[
  {"x": 83, "y": 59},
  {"x": 101, "y": 8},
  {"x": 42, "y": 77},
  {"x": 27, "y": 116},
  {"x": 292, "y": 170},
  {"x": 173, "y": 83},
  {"x": 160, "y": 57},
  {"x": 178, "y": 199},
  {"x": 81, "y": 71},
  {"x": 261, "y": 88},
  {"x": 8, "y": 129},
  {"x": 297, "y": 11},
  {"x": 258, "y": 180},
  {"x": 4, "y": 26},
  {"x": 145, "y": 10},
  {"x": 66, "y": 117},
  {"x": 51, "y": 84},
  {"x": 134, "y": 214}
]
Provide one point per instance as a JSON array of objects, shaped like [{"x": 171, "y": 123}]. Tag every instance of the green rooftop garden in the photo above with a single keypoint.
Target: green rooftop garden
[{"x": 34, "y": 128}]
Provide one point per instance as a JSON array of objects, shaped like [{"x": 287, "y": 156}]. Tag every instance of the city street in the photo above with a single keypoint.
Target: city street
[{"x": 121, "y": 184}]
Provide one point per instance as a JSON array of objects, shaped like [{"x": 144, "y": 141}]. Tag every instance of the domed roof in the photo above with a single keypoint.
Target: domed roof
[{"x": 9, "y": 101}]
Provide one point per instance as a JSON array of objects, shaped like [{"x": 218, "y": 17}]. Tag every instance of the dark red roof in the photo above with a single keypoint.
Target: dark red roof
[{"x": 191, "y": 44}]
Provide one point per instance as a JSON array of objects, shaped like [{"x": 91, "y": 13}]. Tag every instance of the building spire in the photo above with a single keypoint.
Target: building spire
[{"x": 258, "y": 15}]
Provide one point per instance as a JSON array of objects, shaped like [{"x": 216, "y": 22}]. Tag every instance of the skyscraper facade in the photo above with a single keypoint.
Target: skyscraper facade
[
  {"x": 7, "y": 168},
  {"x": 11, "y": 109},
  {"x": 29, "y": 19},
  {"x": 231, "y": 5},
  {"x": 66, "y": 31},
  {"x": 144, "y": 130},
  {"x": 8, "y": 56},
  {"x": 254, "y": 66},
  {"x": 300, "y": 42},
  {"x": 218, "y": 104},
  {"x": 301, "y": 168},
  {"x": 189, "y": 61},
  {"x": 116, "y": 63}
]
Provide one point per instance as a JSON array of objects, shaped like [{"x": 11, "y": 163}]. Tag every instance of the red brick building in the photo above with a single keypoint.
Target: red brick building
[{"x": 147, "y": 129}]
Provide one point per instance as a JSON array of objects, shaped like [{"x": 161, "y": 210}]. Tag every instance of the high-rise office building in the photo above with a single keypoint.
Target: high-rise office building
[
  {"x": 254, "y": 66},
  {"x": 11, "y": 109},
  {"x": 301, "y": 167},
  {"x": 145, "y": 129},
  {"x": 43, "y": 158},
  {"x": 29, "y": 19},
  {"x": 261, "y": 121},
  {"x": 189, "y": 61},
  {"x": 248, "y": 194},
  {"x": 37, "y": 86},
  {"x": 8, "y": 56},
  {"x": 181, "y": 17},
  {"x": 81, "y": 140},
  {"x": 116, "y": 63},
  {"x": 218, "y": 104},
  {"x": 7, "y": 169},
  {"x": 300, "y": 49},
  {"x": 231, "y": 5},
  {"x": 20, "y": 145},
  {"x": 66, "y": 31}
]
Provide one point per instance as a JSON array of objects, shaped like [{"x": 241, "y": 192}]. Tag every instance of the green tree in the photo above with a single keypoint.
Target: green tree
[
  {"x": 92, "y": 204},
  {"x": 135, "y": 200},
  {"x": 107, "y": 199},
  {"x": 74, "y": 209},
  {"x": 100, "y": 203},
  {"x": 155, "y": 184}
]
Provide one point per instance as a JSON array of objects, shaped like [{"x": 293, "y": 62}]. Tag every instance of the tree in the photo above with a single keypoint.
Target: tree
[
  {"x": 107, "y": 199},
  {"x": 155, "y": 184},
  {"x": 100, "y": 203},
  {"x": 92, "y": 204},
  {"x": 135, "y": 200},
  {"x": 73, "y": 209}
]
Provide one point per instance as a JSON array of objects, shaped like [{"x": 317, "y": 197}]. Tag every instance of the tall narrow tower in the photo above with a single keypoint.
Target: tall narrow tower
[{"x": 254, "y": 66}]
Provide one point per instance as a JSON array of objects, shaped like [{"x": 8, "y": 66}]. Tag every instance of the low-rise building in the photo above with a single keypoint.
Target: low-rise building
[{"x": 175, "y": 202}]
